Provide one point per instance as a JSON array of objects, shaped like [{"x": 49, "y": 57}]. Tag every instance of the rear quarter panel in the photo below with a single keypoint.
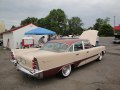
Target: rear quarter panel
[{"x": 59, "y": 59}]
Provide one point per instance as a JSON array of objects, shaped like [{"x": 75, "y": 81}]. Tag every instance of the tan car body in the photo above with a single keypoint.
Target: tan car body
[{"x": 52, "y": 62}]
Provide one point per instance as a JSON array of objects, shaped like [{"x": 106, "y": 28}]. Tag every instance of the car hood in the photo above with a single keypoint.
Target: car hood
[{"x": 90, "y": 35}]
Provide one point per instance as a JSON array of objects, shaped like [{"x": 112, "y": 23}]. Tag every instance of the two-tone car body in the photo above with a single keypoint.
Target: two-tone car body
[{"x": 56, "y": 57}]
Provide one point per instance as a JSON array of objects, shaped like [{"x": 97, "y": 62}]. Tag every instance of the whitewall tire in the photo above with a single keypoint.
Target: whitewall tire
[
  {"x": 100, "y": 56},
  {"x": 66, "y": 71}
]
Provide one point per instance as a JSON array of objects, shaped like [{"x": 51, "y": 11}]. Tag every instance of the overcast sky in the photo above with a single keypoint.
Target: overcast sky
[{"x": 13, "y": 11}]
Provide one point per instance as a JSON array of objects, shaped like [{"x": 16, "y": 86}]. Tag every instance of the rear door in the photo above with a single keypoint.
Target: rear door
[
  {"x": 91, "y": 53},
  {"x": 79, "y": 53}
]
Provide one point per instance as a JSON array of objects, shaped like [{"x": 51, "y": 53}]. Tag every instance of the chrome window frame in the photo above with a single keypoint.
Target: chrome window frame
[{"x": 74, "y": 44}]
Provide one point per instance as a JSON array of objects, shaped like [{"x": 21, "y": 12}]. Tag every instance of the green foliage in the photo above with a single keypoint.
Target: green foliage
[
  {"x": 12, "y": 27},
  {"x": 90, "y": 28},
  {"x": 29, "y": 20},
  {"x": 57, "y": 21},
  {"x": 100, "y": 22},
  {"x": 106, "y": 20},
  {"x": 106, "y": 30},
  {"x": 43, "y": 22},
  {"x": 103, "y": 26},
  {"x": 75, "y": 25}
]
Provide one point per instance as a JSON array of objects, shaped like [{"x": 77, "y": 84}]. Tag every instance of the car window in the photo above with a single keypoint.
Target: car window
[
  {"x": 71, "y": 48},
  {"x": 78, "y": 46},
  {"x": 87, "y": 44},
  {"x": 57, "y": 47}
]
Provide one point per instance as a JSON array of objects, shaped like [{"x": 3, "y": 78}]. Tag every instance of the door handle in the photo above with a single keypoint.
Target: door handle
[{"x": 77, "y": 54}]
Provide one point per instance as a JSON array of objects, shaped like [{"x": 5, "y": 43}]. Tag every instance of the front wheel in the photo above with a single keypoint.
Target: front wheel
[
  {"x": 100, "y": 56},
  {"x": 65, "y": 71}
]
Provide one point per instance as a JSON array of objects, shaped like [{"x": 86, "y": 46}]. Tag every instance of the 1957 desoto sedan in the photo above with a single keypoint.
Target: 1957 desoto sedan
[{"x": 58, "y": 56}]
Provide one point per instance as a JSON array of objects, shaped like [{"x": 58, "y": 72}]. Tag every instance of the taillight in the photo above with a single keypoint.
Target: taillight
[
  {"x": 12, "y": 56},
  {"x": 35, "y": 64}
]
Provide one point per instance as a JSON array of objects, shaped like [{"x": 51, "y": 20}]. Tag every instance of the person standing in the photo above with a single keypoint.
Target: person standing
[{"x": 41, "y": 41}]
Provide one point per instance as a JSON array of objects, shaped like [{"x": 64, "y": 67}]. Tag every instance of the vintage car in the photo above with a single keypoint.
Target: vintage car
[{"x": 57, "y": 57}]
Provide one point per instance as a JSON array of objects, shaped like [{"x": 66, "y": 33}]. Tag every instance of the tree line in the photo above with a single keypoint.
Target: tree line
[{"x": 57, "y": 21}]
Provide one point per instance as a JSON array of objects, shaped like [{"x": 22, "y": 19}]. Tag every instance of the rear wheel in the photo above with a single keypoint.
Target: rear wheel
[{"x": 66, "y": 70}]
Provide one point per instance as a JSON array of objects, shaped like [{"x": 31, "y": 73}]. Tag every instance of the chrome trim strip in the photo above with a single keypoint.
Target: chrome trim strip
[{"x": 13, "y": 61}]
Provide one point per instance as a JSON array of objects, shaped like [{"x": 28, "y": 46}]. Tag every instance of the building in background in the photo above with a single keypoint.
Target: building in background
[
  {"x": 12, "y": 38},
  {"x": 116, "y": 34},
  {"x": 117, "y": 30}
]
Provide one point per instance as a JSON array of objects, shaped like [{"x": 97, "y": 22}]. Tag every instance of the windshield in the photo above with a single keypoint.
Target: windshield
[{"x": 56, "y": 47}]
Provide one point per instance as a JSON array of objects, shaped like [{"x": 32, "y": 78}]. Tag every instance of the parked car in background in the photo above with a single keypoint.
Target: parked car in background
[
  {"x": 116, "y": 35},
  {"x": 57, "y": 57},
  {"x": 116, "y": 39}
]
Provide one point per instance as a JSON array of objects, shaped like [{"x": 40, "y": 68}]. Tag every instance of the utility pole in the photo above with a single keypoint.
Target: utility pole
[
  {"x": 114, "y": 25},
  {"x": 114, "y": 21}
]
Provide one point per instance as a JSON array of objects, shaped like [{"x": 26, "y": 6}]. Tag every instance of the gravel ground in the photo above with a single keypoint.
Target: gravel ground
[{"x": 103, "y": 75}]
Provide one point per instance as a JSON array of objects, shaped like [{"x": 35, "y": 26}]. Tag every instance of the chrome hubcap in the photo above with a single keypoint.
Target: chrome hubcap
[
  {"x": 100, "y": 56},
  {"x": 66, "y": 70}
]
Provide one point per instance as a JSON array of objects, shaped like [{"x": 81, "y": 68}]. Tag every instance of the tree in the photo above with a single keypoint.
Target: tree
[
  {"x": 29, "y": 20},
  {"x": 100, "y": 22},
  {"x": 75, "y": 25},
  {"x": 106, "y": 30},
  {"x": 13, "y": 27},
  {"x": 90, "y": 28},
  {"x": 103, "y": 26},
  {"x": 43, "y": 22},
  {"x": 57, "y": 21},
  {"x": 107, "y": 20}
]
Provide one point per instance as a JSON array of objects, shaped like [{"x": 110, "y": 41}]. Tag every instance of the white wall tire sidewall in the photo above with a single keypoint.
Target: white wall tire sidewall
[
  {"x": 66, "y": 70},
  {"x": 100, "y": 57}
]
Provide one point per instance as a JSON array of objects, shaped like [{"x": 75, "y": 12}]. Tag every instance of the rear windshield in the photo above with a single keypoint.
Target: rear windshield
[{"x": 56, "y": 47}]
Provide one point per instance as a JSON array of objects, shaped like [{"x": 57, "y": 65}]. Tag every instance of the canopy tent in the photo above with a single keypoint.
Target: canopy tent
[{"x": 40, "y": 31}]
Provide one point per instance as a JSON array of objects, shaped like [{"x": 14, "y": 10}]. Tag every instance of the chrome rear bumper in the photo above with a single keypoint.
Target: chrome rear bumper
[{"x": 35, "y": 73}]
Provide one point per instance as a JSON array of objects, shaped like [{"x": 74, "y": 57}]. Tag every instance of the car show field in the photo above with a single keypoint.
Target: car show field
[{"x": 97, "y": 75}]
